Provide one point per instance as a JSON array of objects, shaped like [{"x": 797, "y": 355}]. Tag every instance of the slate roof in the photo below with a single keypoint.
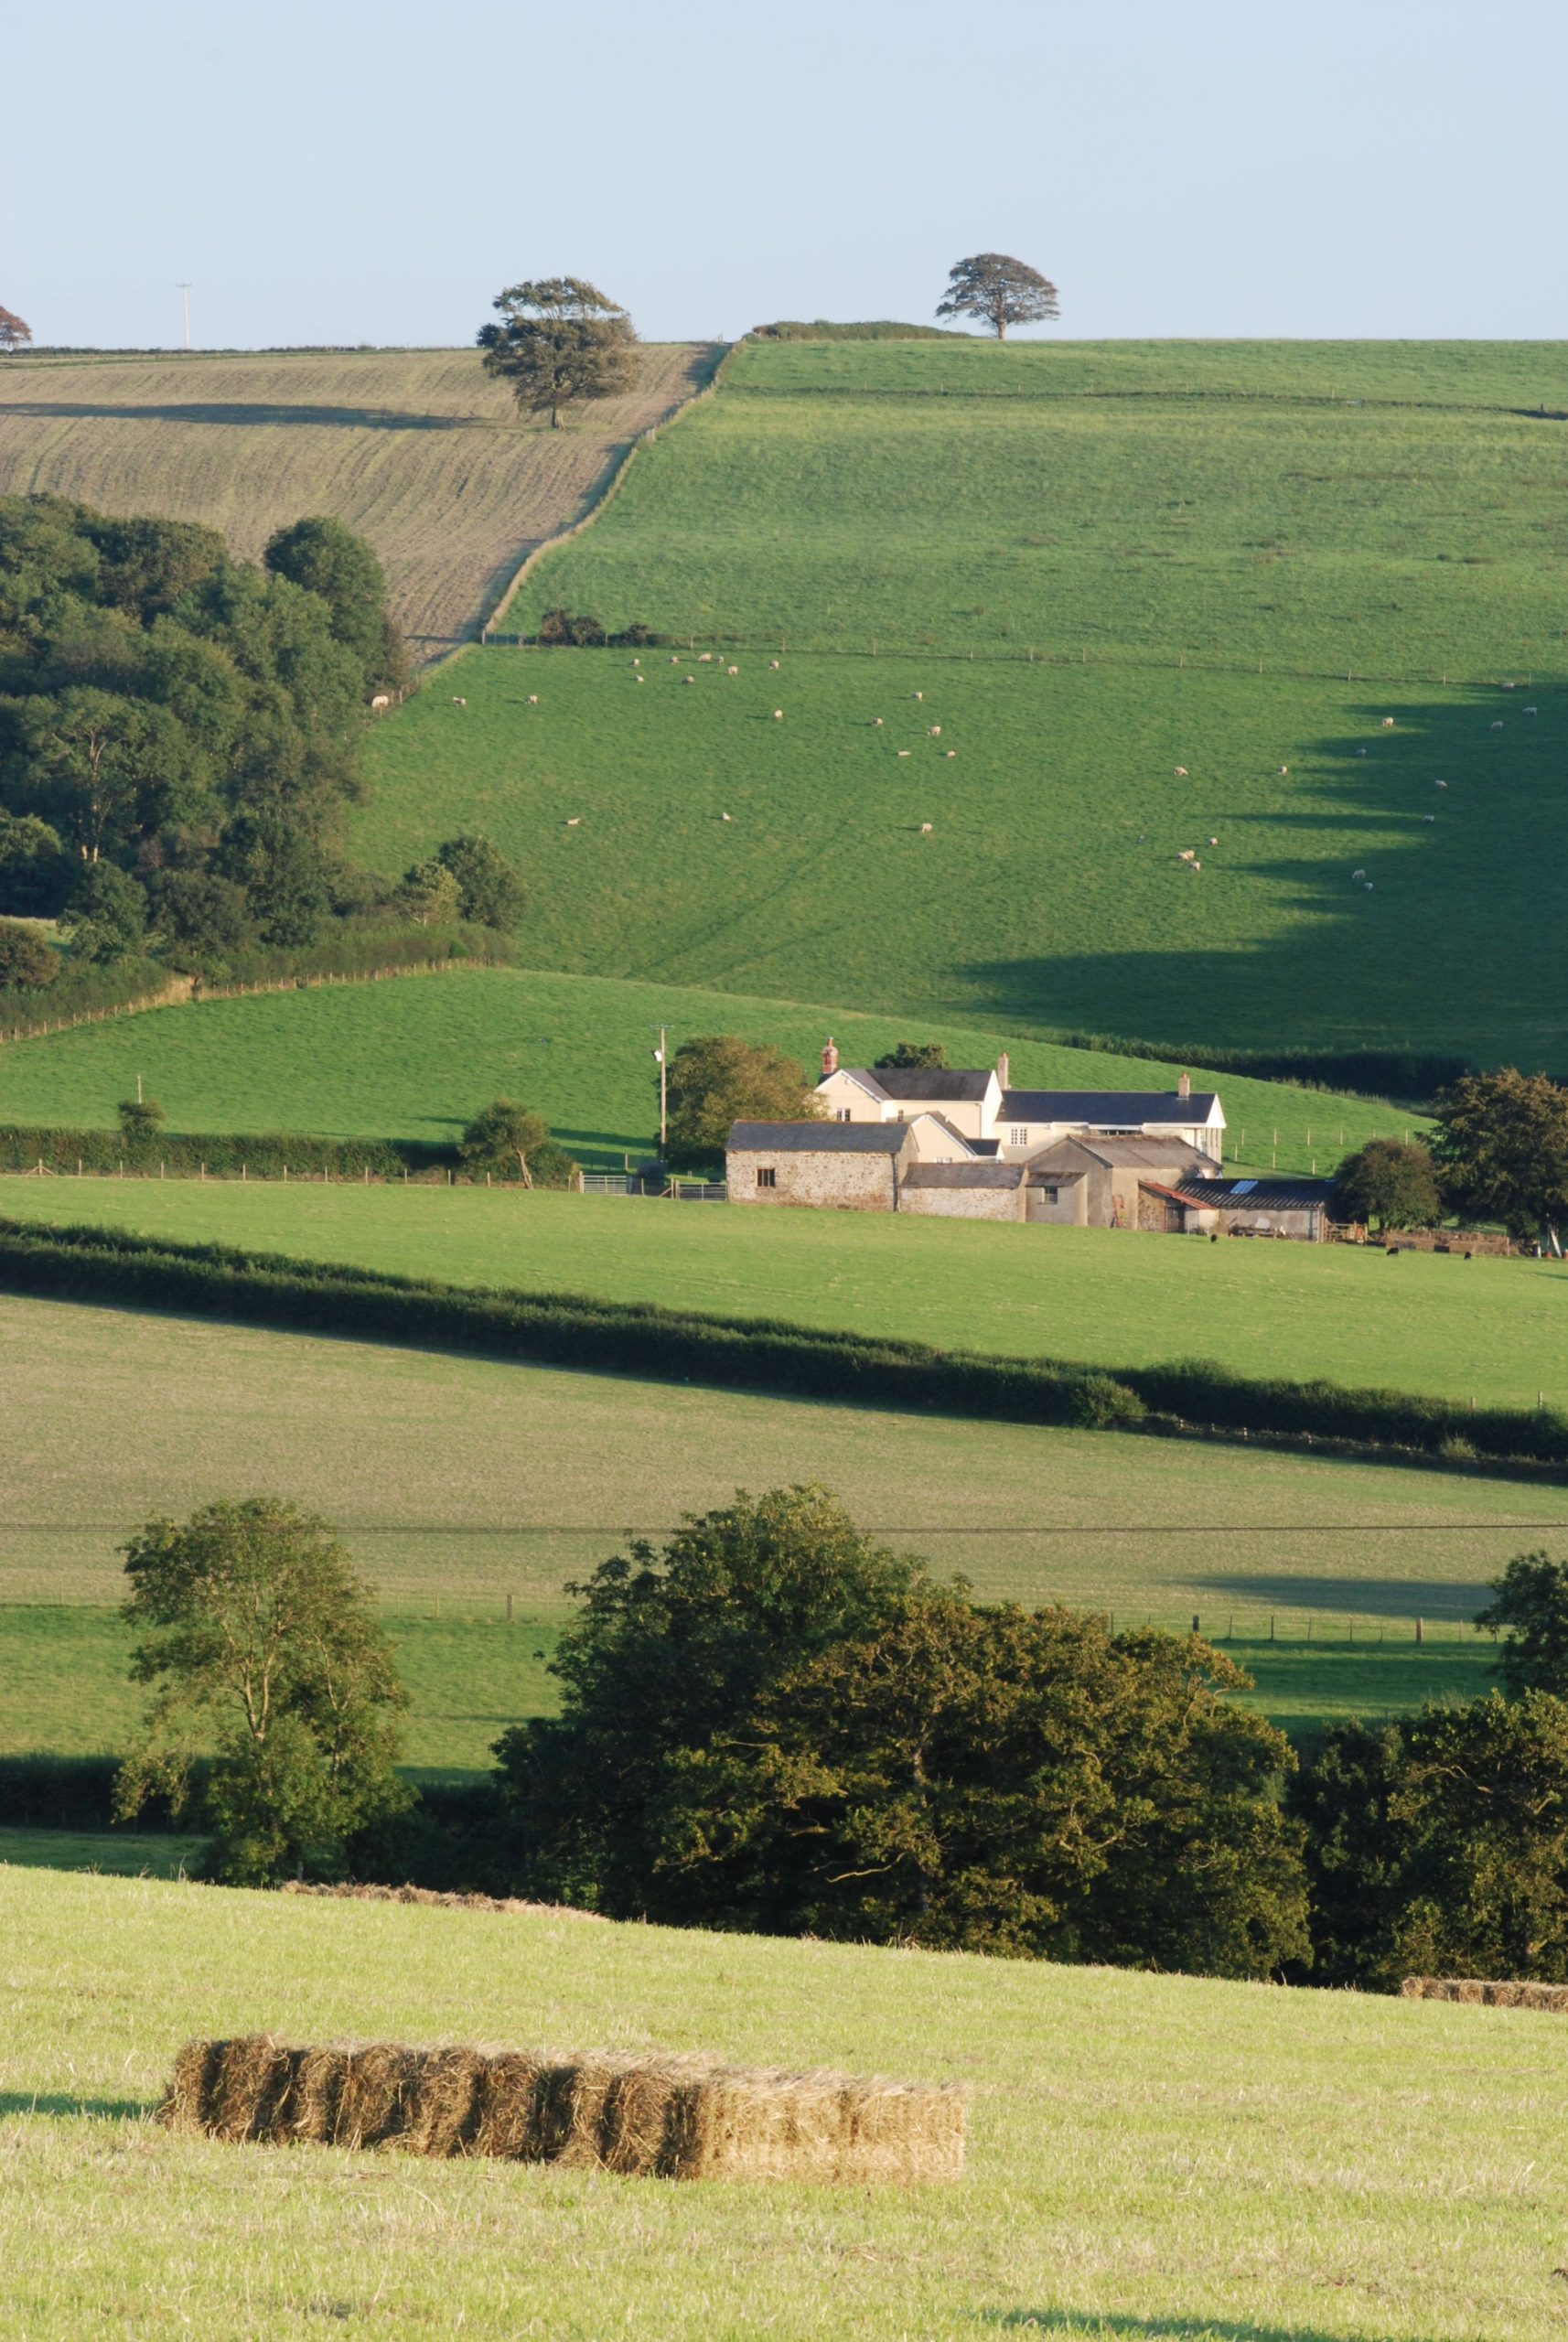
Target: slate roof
[
  {"x": 1256, "y": 1195},
  {"x": 924, "y": 1085},
  {"x": 1097, "y": 1109},
  {"x": 1129, "y": 1154},
  {"x": 818, "y": 1138},
  {"x": 966, "y": 1174}
]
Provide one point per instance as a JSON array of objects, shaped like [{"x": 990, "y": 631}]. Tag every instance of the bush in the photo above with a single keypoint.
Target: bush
[
  {"x": 1389, "y": 1181},
  {"x": 140, "y": 1118},
  {"x": 27, "y": 962},
  {"x": 107, "y": 914},
  {"x": 489, "y": 892}
]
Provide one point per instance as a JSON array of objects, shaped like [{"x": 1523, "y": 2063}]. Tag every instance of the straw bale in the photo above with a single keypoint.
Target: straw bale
[
  {"x": 431, "y": 1898},
  {"x": 675, "y": 2118},
  {"x": 1480, "y": 1992}
]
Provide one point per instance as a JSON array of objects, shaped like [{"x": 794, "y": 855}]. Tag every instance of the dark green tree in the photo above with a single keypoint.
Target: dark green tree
[
  {"x": 27, "y": 962},
  {"x": 141, "y": 1118},
  {"x": 35, "y": 870},
  {"x": 777, "y": 1726},
  {"x": 329, "y": 560},
  {"x": 915, "y": 1057},
  {"x": 257, "y": 1634},
  {"x": 511, "y": 1141},
  {"x": 107, "y": 914},
  {"x": 283, "y": 873},
  {"x": 489, "y": 891},
  {"x": 1530, "y": 1610},
  {"x": 1389, "y": 1181},
  {"x": 429, "y": 893},
  {"x": 201, "y": 920},
  {"x": 559, "y": 341},
  {"x": 1001, "y": 291},
  {"x": 1341, "y": 1799},
  {"x": 1502, "y": 1148},
  {"x": 717, "y": 1079}
]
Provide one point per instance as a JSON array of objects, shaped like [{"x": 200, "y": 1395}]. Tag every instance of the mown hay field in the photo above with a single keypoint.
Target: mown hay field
[
  {"x": 1487, "y": 1329},
  {"x": 1344, "y": 900},
  {"x": 419, "y": 450},
  {"x": 1149, "y": 2156},
  {"x": 418, "y": 1057}
]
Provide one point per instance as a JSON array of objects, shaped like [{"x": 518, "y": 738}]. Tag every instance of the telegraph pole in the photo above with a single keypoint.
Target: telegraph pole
[
  {"x": 662, "y": 1056},
  {"x": 183, "y": 288}
]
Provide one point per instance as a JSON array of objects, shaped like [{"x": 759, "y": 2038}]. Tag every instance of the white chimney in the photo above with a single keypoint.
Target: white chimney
[
  {"x": 1003, "y": 1074},
  {"x": 1184, "y": 1087}
]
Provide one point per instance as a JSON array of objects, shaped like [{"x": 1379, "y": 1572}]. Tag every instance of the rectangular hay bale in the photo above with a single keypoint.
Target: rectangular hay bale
[{"x": 671, "y": 2117}]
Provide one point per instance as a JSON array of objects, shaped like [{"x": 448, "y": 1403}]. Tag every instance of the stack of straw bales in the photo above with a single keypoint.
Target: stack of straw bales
[
  {"x": 1481, "y": 1994},
  {"x": 669, "y": 2118}
]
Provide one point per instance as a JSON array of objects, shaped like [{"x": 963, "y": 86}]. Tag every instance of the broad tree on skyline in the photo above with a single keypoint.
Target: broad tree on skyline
[
  {"x": 559, "y": 340},
  {"x": 14, "y": 331},
  {"x": 1001, "y": 291}
]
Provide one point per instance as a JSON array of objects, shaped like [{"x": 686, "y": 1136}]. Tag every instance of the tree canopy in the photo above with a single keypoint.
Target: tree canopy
[
  {"x": 1502, "y": 1145},
  {"x": 170, "y": 711},
  {"x": 14, "y": 331},
  {"x": 1530, "y": 1609},
  {"x": 914, "y": 1056},
  {"x": 1391, "y": 1181},
  {"x": 26, "y": 962},
  {"x": 559, "y": 341},
  {"x": 999, "y": 290},
  {"x": 718, "y": 1079},
  {"x": 778, "y": 1724},
  {"x": 273, "y": 1721}
]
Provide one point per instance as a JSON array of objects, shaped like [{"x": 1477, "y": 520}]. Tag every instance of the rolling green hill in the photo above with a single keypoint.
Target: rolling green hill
[
  {"x": 1487, "y": 1329},
  {"x": 417, "y": 1058},
  {"x": 1149, "y": 2157}
]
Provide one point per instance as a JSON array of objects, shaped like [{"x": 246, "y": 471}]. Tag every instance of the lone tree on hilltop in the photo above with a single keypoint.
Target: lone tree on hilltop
[
  {"x": 559, "y": 340},
  {"x": 1391, "y": 1181},
  {"x": 1502, "y": 1143},
  {"x": 14, "y": 331},
  {"x": 258, "y": 1635},
  {"x": 1002, "y": 291},
  {"x": 717, "y": 1079}
]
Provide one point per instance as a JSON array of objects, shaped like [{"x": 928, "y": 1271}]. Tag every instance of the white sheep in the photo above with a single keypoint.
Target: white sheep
[
  {"x": 1509, "y": 687},
  {"x": 1440, "y": 784},
  {"x": 1498, "y": 725},
  {"x": 572, "y": 819},
  {"x": 674, "y": 657},
  {"x": 778, "y": 715},
  {"x": 1195, "y": 863},
  {"x": 1368, "y": 885},
  {"x": 725, "y": 817},
  {"x": 732, "y": 670},
  {"x": 458, "y": 702},
  {"x": 383, "y": 699},
  {"x": 925, "y": 829},
  {"x": 1429, "y": 817},
  {"x": 1358, "y": 874},
  {"x": 917, "y": 694},
  {"x": 1214, "y": 841},
  {"x": 876, "y": 723},
  {"x": 1360, "y": 752},
  {"x": 903, "y": 752},
  {"x": 952, "y": 752},
  {"x": 774, "y": 665},
  {"x": 642, "y": 678},
  {"x": 1283, "y": 769},
  {"x": 1388, "y": 724},
  {"x": 690, "y": 678},
  {"x": 1531, "y": 710},
  {"x": 1186, "y": 854},
  {"x": 533, "y": 700},
  {"x": 935, "y": 732},
  {"x": 1181, "y": 772},
  {"x": 637, "y": 662},
  {"x": 704, "y": 658}
]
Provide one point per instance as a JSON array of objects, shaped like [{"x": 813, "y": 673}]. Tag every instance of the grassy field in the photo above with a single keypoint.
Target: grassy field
[
  {"x": 415, "y": 1059},
  {"x": 1394, "y": 509},
  {"x": 1049, "y": 896},
  {"x": 1156, "y": 2158},
  {"x": 1487, "y": 1329},
  {"x": 419, "y": 450}
]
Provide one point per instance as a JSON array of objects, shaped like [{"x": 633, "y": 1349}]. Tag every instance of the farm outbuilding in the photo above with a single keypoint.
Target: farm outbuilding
[
  {"x": 1298, "y": 1208},
  {"x": 834, "y": 1166}
]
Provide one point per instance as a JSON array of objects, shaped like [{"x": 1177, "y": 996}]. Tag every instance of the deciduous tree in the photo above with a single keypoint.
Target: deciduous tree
[
  {"x": 257, "y": 1631},
  {"x": 1502, "y": 1145},
  {"x": 1391, "y": 1181},
  {"x": 489, "y": 891},
  {"x": 717, "y": 1079},
  {"x": 559, "y": 340},
  {"x": 27, "y": 962},
  {"x": 1530, "y": 1609},
  {"x": 107, "y": 914},
  {"x": 1002, "y": 291},
  {"x": 328, "y": 559},
  {"x": 511, "y": 1141},
  {"x": 914, "y": 1056},
  {"x": 14, "y": 331}
]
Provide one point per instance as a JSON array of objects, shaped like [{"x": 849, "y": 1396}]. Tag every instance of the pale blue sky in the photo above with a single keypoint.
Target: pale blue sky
[{"x": 334, "y": 170}]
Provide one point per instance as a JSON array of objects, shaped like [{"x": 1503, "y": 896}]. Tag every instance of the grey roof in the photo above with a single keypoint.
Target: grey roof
[
  {"x": 925, "y": 1085},
  {"x": 966, "y": 1174},
  {"x": 1098, "y": 1108},
  {"x": 817, "y": 1138},
  {"x": 1127, "y": 1153},
  {"x": 1256, "y": 1195}
]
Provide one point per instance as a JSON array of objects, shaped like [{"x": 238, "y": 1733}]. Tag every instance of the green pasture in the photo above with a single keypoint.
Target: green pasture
[
  {"x": 418, "y": 1057},
  {"x": 1148, "y": 2156},
  {"x": 1347, "y": 901},
  {"x": 1395, "y": 508},
  {"x": 1487, "y": 1329}
]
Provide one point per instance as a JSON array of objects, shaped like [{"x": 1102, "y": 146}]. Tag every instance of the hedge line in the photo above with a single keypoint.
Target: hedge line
[
  {"x": 640, "y": 1339},
  {"x": 223, "y": 1154}
]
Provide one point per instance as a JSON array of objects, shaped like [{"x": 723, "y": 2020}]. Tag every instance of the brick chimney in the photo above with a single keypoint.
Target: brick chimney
[
  {"x": 829, "y": 1058},
  {"x": 1184, "y": 1087},
  {"x": 1003, "y": 1074}
]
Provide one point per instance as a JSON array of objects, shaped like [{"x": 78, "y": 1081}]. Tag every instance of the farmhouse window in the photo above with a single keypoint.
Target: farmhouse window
[
  {"x": 1018, "y": 1138},
  {"x": 843, "y": 1115},
  {"x": 1049, "y": 1193},
  {"x": 766, "y": 1176}
]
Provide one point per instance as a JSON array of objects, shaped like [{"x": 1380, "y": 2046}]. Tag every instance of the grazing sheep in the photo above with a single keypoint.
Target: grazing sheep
[
  {"x": 690, "y": 678},
  {"x": 917, "y": 694},
  {"x": 1195, "y": 863},
  {"x": 704, "y": 658},
  {"x": 458, "y": 702},
  {"x": 642, "y": 678},
  {"x": 1440, "y": 784},
  {"x": 1358, "y": 874},
  {"x": 725, "y": 817},
  {"x": 1360, "y": 752},
  {"x": 1368, "y": 885},
  {"x": 903, "y": 752},
  {"x": 732, "y": 670},
  {"x": 1531, "y": 710},
  {"x": 1388, "y": 724},
  {"x": 1214, "y": 841},
  {"x": 1187, "y": 855},
  {"x": 876, "y": 723},
  {"x": 533, "y": 700},
  {"x": 1429, "y": 817},
  {"x": 1181, "y": 772},
  {"x": 925, "y": 829},
  {"x": 952, "y": 752},
  {"x": 383, "y": 699},
  {"x": 674, "y": 657},
  {"x": 1509, "y": 687},
  {"x": 935, "y": 732},
  {"x": 572, "y": 819},
  {"x": 637, "y": 662},
  {"x": 1497, "y": 725},
  {"x": 1283, "y": 769},
  {"x": 773, "y": 664}
]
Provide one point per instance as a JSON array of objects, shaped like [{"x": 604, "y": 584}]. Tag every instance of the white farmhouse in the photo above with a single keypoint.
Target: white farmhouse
[{"x": 1020, "y": 1125}]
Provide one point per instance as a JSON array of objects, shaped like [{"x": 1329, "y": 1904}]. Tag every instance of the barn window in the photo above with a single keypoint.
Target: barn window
[{"x": 766, "y": 1176}]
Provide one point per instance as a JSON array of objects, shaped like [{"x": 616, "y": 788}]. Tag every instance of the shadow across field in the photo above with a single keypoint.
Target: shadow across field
[
  {"x": 1087, "y": 2324},
  {"x": 1392, "y": 942},
  {"x": 337, "y": 418},
  {"x": 88, "y": 2109},
  {"x": 1401, "y": 1598}
]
